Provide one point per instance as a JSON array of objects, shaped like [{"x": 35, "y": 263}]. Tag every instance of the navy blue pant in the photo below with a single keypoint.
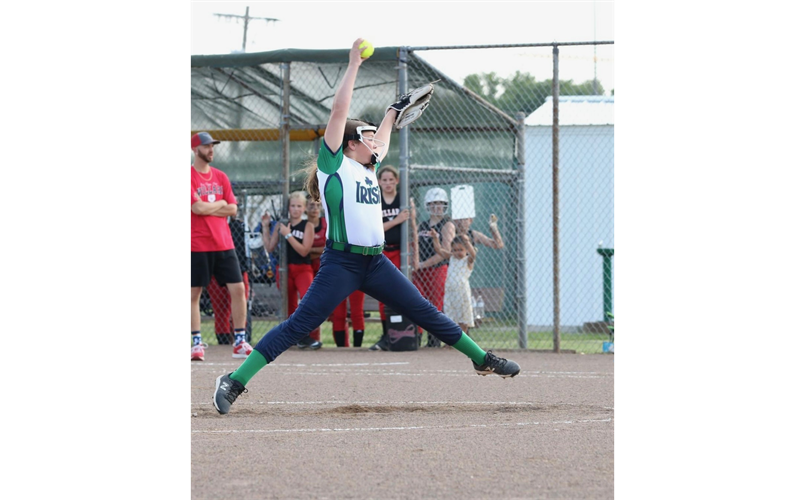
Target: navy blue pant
[{"x": 340, "y": 274}]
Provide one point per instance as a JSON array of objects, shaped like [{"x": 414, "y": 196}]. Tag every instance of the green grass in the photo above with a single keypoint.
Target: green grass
[{"x": 492, "y": 335}]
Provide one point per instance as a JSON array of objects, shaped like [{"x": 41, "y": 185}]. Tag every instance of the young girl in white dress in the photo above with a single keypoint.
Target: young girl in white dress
[{"x": 457, "y": 293}]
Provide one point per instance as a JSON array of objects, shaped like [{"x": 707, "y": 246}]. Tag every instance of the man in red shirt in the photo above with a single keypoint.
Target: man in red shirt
[{"x": 212, "y": 251}]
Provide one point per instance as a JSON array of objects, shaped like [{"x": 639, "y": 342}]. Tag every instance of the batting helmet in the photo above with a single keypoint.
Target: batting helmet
[{"x": 436, "y": 194}]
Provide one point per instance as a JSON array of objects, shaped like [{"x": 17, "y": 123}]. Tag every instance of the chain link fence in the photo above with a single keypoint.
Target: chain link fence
[{"x": 526, "y": 164}]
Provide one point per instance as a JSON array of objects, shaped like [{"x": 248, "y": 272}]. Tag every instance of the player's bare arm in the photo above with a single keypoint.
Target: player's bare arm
[
  {"x": 334, "y": 133},
  {"x": 470, "y": 250},
  {"x": 437, "y": 256},
  {"x": 496, "y": 241},
  {"x": 403, "y": 216},
  {"x": 384, "y": 131},
  {"x": 437, "y": 246},
  {"x": 448, "y": 232}
]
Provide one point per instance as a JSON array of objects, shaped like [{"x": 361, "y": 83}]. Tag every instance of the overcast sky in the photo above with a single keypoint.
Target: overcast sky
[{"x": 328, "y": 25}]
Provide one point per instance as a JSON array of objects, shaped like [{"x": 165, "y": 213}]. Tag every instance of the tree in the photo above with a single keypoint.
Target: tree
[
  {"x": 485, "y": 85},
  {"x": 522, "y": 92}
]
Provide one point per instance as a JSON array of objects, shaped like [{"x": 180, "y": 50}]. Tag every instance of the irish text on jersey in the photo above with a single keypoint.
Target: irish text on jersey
[{"x": 368, "y": 195}]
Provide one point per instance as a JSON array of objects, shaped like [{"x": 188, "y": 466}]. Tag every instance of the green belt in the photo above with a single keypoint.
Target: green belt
[{"x": 346, "y": 247}]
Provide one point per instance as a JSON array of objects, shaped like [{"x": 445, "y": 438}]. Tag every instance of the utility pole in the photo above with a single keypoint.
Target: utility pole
[
  {"x": 595, "y": 53},
  {"x": 246, "y": 22}
]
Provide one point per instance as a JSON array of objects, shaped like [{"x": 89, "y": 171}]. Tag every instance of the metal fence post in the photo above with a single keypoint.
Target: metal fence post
[
  {"x": 555, "y": 148},
  {"x": 522, "y": 320},
  {"x": 285, "y": 137},
  {"x": 402, "y": 88}
]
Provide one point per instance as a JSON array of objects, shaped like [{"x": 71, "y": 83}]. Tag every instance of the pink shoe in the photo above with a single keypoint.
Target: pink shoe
[
  {"x": 242, "y": 350},
  {"x": 197, "y": 352}
]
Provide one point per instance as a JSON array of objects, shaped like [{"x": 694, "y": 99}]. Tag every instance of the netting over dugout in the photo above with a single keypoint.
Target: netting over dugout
[{"x": 238, "y": 98}]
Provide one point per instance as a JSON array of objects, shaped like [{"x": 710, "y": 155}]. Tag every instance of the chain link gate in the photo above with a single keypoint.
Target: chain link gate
[{"x": 538, "y": 278}]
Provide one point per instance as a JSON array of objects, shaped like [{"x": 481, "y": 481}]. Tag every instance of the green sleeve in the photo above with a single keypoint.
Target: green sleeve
[{"x": 328, "y": 161}]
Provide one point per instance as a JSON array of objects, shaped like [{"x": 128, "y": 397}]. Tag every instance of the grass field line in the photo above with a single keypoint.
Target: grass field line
[{"x": 411, "y": 428}]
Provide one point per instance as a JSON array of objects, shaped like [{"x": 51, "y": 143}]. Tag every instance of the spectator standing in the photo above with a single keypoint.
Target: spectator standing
[
  {"x": 463, "y": 226},
  {"x": 319, "y": 239},
  {"x": 393, "y": 216},
  {"x": 431, "y": 267},
  {"x": 212, "y": 251},
  {"x": 219, "y": 295},
  {"x": 298, "y": 235},
  {"x": 313, "y": 212},
  {"x": 457, "y": 292}
]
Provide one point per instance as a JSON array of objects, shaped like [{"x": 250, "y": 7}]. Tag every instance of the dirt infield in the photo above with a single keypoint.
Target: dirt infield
[{"x": 350, "y": 423}]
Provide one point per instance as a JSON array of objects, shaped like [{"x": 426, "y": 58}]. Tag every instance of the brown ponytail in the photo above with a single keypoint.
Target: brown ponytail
[{"x": 311, "y": 179}]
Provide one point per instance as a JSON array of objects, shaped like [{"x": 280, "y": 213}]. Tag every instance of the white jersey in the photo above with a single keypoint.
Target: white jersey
[{"x": 350, "y": 199}]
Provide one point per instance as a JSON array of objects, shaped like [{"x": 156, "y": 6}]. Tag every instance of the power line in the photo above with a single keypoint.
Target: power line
[{"x": 246, "y": 18}]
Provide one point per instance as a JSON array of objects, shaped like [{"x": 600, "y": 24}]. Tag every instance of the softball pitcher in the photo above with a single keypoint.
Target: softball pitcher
[{"x": 344, "y": 180}]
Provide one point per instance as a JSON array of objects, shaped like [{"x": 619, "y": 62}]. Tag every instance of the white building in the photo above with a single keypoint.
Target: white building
[{"x": 586, "y": 208}]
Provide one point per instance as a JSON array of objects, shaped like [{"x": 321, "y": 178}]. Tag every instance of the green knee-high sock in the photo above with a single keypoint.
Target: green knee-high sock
[
  {"x": 470, "y": 349},
  {"x": 253, "y": 364}
]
